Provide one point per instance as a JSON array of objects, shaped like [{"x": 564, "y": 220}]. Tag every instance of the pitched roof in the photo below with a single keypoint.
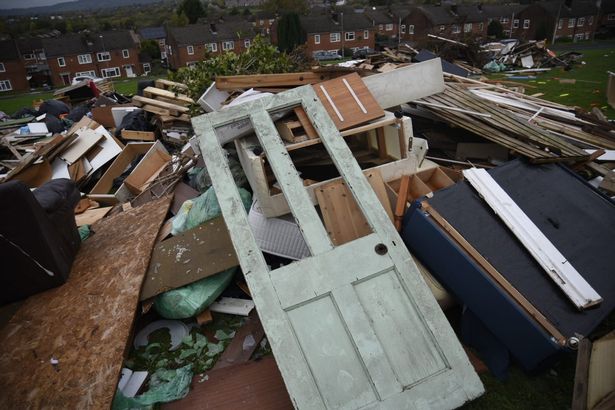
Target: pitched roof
[
  {"x": 495, "y": 11},
  {"x": 437, "y": 14},
  {"x": 29, "y": 45},
  {"x": 201, "y": 33},
  {"x": 72, "y": 44},
  {"x": 153, "y": 33},
  {"x": 379, "y": 15},
  {"x": 8, "y": 50},
  {"x": 469, "y": 13},
  {"x": 326, "y": 24}
]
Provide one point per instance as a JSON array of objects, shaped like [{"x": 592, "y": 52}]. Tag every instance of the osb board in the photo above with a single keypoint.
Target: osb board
[
  {"x": 343, "y": 219},
  {"x": 192, "y": 255},
  {"x": 348, "y": 101},
  {"x": 250, "y": 386},
  {"x": 84, "y": 324}
]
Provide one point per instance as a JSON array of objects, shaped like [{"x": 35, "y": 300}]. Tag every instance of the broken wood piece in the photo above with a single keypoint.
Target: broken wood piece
[
  {"x": 172, "y": 108},
  {"x": 581, "y": 374},
  {"x": 291, "y": 131},
  {"x": 170, "y": 85},
  {"x": 402, "y": 200},
  {"x": 601, "y": 372},
  {"x": 179, "y": 99},
  {"x": 306, "y": 123},
  {"x": 204, "y": 317},
  {"x": 85, "y": 141},
  {"x": 192, "y": 255},
  {"x": 138, "y": 135},
  {"x": 91, "y": 216},
  {"x": 235, "y": 82},
  {"x": 244, "y": 343},
  {"x": 232, "y": 306},
  {"x": 546, "y": 254}
]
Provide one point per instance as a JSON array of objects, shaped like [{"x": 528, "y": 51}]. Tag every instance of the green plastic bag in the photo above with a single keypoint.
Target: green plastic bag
[
  {"x": 192, "y": 299},
  {"x": 202, "y": 209},
  {"x": 164, "y": 386}
]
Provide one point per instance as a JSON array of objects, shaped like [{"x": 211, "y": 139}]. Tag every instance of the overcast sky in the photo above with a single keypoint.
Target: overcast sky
[{"x": 14, "y": 4}]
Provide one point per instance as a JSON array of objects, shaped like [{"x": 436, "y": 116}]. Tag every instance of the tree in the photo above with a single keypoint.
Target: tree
[
  {"x": 290, "y": 32},
  {"x": 193, "y": 9},
  {"x": 286, "y": 6},
  {"x": 151, "y": 48},
  {"x": 495, "y": 29},
  {"x": 179, "y": 20}
]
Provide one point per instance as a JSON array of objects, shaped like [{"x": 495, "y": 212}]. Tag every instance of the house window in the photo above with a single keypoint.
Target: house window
[
  {"x": 90, "y": 73},
  {"x": 110, "y": 72},
  {"x": 191, "y": 64},
  {"x": 271, "y": 21},
  {"x": 560, "y": 24},
  {"x": 442, "y": 28},
  {"x": 147, "y": 68},
  {"x": 365, "y": 34},
  {"x": 411, "y": 29},
  {"x": 61, "y": 62},
  {"x": 402, "y": 29},
  {"x": 455, "y": 29},
  {"x": 103, "y": 56},
  {"x": 190, "y": 50},
  {"x": 316, "y": 38},
  {"x": 261, "y": 22},
  {"x": 349, "y": 36},
  {"x": 579, "y": 36},
  {"x": 580, "y": 21},
  {"x": 228, "y": 45},
  {"x": 125, "y": 53},
  {"x": 2, "y": 68},
  {"x": 480, "y": 27},
  {"x": 334, "y": 37},
  {"x": 212, "y": 47},
  {"x": 526, "y": 24},
  {"x": 388, "y": 27},
  {"x": 516, "y": 23},
  {"x": 5, "y": 85},
  {"x": 504, "y": 20},
  {"x": 84, "y": 58},
  {"x": 571, "y": 23},
  {"x": 246, "y": 43},
  {"x": 381, "y": 27},
  {"x": 28, "y": 56},
  {"x": 590, "y": 21},
  {"x": 467, "y": 27}
]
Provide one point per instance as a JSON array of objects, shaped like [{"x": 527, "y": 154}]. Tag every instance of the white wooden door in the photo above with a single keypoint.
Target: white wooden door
[{"x": 353, "y": 326}]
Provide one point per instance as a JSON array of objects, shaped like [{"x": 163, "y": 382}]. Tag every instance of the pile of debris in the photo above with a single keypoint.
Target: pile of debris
[
  {"x": 299, "y": 243},
  {"x": 514, "y": 56}
]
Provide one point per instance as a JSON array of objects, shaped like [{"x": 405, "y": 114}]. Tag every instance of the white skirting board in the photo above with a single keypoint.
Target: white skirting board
[{"x": 540, "y": 247}]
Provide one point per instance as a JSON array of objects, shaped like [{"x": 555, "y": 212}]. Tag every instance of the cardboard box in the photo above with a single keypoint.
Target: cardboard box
[{"x": 152, "y": 152}]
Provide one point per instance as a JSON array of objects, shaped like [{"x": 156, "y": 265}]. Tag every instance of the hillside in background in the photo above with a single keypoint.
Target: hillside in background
[{"x": 79, "y": 5}]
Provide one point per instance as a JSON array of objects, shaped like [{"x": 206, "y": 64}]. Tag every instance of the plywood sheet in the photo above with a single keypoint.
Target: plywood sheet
[
  {"x": 86, "y": 141},
  {"x": 192, "y": 255},
  {"x": 250, "y": 386},
  {"x": 342, "y": 216},
  {"x": 348, "y": 101},
  {"x": 84, "y": 324}
]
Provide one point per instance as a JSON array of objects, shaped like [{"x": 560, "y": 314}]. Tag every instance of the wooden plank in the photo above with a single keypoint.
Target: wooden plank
[
  {"x": 540, "y": 247},
  {"x": 91, "y": 216},
  {"x": 495, "y": 274},
  {"x": 250, "y": 386},
  {"x": 138, "y": 135},
  {"x": 348, "y": 101},
  {"x": 234, "y": 82},
  {"x": 601, "y": 377},
  {"x": 342, "y": 216},
  {"x": 402, "y": 200},
  {"x": 382, "y": 143},
  {"x": 161, "y": 104},
  {"x": 306, "y": 123},
  {"x": 167, "y": 84},
  {"x": 84, "y": 324},
  {"x": 244, "y": 343},
  {"x": 579, "y": 393},
  {"x": 181, "y": 99},
  {"x": 192, "y": 255},
  {"x": 86, "y": 140}
]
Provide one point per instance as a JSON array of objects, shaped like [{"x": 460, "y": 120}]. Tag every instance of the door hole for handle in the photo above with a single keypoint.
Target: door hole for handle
[{"x": 381, "y": 249}]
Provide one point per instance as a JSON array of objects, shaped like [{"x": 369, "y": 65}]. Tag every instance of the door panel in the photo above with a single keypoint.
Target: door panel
[{"x": 353, "y": 326}]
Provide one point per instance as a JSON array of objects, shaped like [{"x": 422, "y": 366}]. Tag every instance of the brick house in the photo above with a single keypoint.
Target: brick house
[
  {"x": 507, "y": 15},
  {"x": 34, "y": 59},
  {"x": 108, "y": 54},
  {"x": 263, "y": 22},
  {"x": 576, "y": 20},
  {"x": 607, "y": 19},
  {"x": 385, "y": 20},
  {"x": 447, "y": 21},
  {"x": 332, "y": 32},
  {"x": 159, "y": 35},
  {"x": 192, "y": 43},
  {"x": 12, "y": 70}
]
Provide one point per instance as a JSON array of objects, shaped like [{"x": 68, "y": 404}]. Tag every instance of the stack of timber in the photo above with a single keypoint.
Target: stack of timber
[{"x": 166, "y": 100}]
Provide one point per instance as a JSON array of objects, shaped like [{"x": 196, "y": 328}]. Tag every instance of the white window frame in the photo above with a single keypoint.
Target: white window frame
[
  {"x": 29, "y": 56},
  {"x": 455, "y": 29},
  {"x": 125, "y": 53},
  {"x": 481, "y": 26},
  {"x": 402, "y": 29},
  {"x": 190, "y": 50},
  {"x": 212, "y": 47},
  {"x": 560, "y": 24},
  {"x": 247, "y": 43},
  {"x": 365, "y": 34},
  {"x": 191, "y": 64},
  {"x": 504, "y": 20},
  {"x": 84, "y": 58},
  {"x": 228, "y": 45},
  {"x": 581, "y": 22},
  {"x": 388, "y": 27},
  {"x": 103, "y": 56},
  {"x": 5, "y": 85},
  {"x": 349, "y": 36},
  {"x": 2, "y": 68},
  {"x": 590, "y": 21},
  {"x": 262, "y": 22},
  {"x": 526, "y": 24},
  {"x": 104, "y": 71},
  {"x": 147, "y": 68},
  {"x": 61, "y": 62},
  {"x": 467, "y": 27},
  {"x": 381, "y": 27},
  {"x": 89, "y": 73},
  {"x": 316, "y": 38},
  {"x": 572, "y": 22},
  {"x": 579, "y": 36},
  {"x": 516, "y": 23},
  {"x": 335, "y": 37}
]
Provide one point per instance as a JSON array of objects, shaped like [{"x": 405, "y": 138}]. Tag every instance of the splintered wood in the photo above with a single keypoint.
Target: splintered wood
[{"x": 64, "y": 348}]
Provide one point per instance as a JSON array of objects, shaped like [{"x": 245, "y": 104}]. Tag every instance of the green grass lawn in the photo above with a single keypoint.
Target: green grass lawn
[
  {"x": 11, "y": 103},
  {"x": 589, "y": 89}
]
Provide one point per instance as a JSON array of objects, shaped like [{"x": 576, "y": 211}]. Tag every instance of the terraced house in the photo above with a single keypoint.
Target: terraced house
[
  {"x": 190, "y": 44},
  {"x": 12, "y": 70},
  {"x": 108, "y": 54},
  {"x": 334, "y": 32},
  {"x": 446, "y": 21}
]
